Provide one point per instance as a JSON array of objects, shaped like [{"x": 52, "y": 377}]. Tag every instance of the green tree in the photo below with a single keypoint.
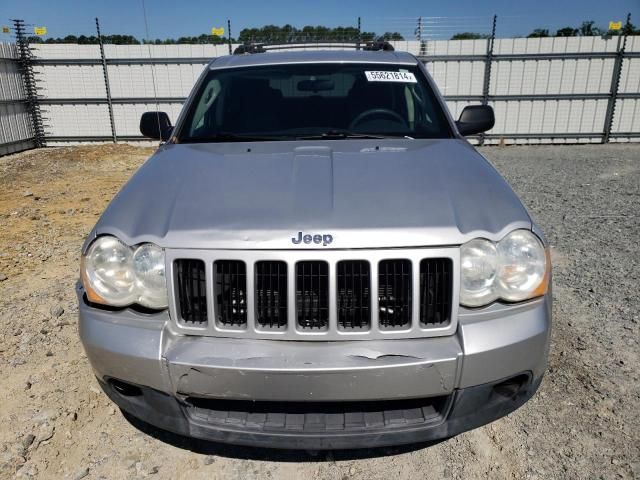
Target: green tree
[
  {"x": 248, "y": 35},
  {"x": 587, "y": 29},
  {"x": 288, "y": 33},
  {"x": 567, "y": 32},
  {"x": 310, "y": 33},
  {"x": 366, "y": 36},
  {"x": 470, "y": 36},
  {"x": 630, "y": 29},
  {"x": 84, "y": 40},
  {"x": 265, "y": 34},
  {"x": 539, "y": 33},
  {"x": 393, "y": 36}
]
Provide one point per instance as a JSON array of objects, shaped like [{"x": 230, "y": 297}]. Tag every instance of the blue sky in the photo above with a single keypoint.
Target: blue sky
[{"x": 174, "y": 18}]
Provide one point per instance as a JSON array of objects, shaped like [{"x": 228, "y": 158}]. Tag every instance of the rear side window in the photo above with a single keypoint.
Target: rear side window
[{"x": 291, "y": 101}]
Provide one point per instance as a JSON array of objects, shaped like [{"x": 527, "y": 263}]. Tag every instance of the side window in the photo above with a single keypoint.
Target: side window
[{"x": 203, "y": 109}]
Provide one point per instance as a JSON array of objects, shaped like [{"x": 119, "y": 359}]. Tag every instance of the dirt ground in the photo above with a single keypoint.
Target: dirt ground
[{"x": 583, "y": 423}]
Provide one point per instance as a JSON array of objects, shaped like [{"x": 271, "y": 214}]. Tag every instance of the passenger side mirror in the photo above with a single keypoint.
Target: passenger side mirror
[
  {"x": 156, "y": 125},
  {"x": 475, "y": 119}
]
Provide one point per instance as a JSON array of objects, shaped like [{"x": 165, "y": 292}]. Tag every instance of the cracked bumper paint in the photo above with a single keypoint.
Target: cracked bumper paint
[{"x": 308, "y": 371}]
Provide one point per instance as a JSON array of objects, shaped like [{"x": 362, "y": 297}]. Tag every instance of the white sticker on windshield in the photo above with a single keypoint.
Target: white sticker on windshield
[{"x": 403, "y": 77}]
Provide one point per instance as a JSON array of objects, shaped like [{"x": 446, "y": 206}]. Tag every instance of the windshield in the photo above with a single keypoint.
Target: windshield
[{"x": 323, "y": 101}]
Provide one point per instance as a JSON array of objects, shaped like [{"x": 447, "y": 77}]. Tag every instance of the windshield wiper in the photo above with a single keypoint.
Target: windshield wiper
[
  {"x": 340, "y": 134},
  {"x": 229, "y": 137}
]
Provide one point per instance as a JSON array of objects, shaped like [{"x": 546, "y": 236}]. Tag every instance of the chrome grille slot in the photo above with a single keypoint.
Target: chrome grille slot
[
  {"x": 353, "y": 295},
  {"x": 435, "y": 291},
  {"x": 230, "y": 293},
  {"x": 394, "y": 293},
  {"x": 192, "y": 291},
  {"x": 271, "y": 294},
  {"x": 312, "y": 295}
]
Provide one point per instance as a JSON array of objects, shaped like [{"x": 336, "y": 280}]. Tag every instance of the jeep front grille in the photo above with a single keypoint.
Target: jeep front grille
[{"x": 315, "y": 295}]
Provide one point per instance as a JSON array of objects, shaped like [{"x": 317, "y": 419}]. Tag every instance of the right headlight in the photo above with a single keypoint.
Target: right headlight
[
  {"x": 514, "y": 269},
  {"x": 118, "y": 275}
]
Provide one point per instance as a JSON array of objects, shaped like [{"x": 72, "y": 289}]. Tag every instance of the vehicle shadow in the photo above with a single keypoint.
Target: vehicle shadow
[{"x": 240, "y": 452}]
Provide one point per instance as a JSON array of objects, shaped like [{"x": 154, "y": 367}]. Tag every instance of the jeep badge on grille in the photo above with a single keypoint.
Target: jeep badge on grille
[{"x": 318, "y": 239}]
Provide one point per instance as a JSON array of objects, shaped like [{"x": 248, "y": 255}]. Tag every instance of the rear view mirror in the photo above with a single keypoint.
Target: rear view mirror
[
  {"x": 475, "y": 119},
  {"x": 315, "y": 85},
  {"x": 156, "y": 125}
]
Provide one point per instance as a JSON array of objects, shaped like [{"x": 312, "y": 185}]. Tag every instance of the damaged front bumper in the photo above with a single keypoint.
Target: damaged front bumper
[{"x": 313, "y": 395}]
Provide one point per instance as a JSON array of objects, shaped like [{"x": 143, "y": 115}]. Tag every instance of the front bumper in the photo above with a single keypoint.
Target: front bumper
[{"x": 317, "y": 395}]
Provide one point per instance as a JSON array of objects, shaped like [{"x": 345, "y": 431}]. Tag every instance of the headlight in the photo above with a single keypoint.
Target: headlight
[
  {"x": 148, "y": 265},
  {"x": 514, "y": 269},
  {"x": 478, "y": 268},
  {"x": 107, "y": 272},
  {"x": 523, "y": 266},
  {"x": 117, "y": 275}
]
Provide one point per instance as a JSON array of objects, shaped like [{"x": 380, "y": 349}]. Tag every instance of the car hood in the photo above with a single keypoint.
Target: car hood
[{"x": 363, "y": 193}]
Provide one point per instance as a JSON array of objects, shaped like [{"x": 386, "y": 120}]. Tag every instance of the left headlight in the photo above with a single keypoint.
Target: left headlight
[
  {"x": 514, "y": 269},
  {"x": 117, "y": 275}
]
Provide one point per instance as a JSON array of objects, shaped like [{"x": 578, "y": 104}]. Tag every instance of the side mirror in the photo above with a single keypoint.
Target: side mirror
[
  {"x": 475, "y": 119},
  {"x": 156, "y": 125}
]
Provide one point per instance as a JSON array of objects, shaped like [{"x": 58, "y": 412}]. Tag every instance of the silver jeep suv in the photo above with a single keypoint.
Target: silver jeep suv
[{"x": 316, "y": 258}]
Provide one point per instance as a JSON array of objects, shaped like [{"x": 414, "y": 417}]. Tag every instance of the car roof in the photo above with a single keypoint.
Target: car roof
[{"x": 313, "y": 56}]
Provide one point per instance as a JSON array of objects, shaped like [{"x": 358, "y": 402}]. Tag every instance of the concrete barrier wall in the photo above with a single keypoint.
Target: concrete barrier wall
[
  {"x": 529, "y": 82},
  {"x": 543, "y": 90}
]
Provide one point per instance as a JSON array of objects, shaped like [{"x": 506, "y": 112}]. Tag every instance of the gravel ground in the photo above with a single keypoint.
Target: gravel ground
[{"x": 583, "y": 423}]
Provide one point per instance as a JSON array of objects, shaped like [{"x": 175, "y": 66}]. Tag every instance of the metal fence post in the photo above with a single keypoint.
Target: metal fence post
[
  {"x": 359, "y": 35},
  {"x": 105, "y": 72},
  {"x": 418, "y": 33},
  {"x": 25, "y": 61},
  {"x": 229, "y": 35},
  {"x": 615, "y": 81},
  {"x": 487, "y": 70}
]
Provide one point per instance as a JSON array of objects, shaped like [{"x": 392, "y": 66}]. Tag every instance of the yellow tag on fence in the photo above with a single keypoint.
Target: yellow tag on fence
[
  {"x": 217, "y": 31},
  {"x": 40, "y": 30},
  {"x": 615, "y": 26}
]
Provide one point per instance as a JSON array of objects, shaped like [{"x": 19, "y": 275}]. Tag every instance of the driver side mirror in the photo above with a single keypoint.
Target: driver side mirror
[
  {"x": 475, "y": 119},
  {"x": 156, "y": 125}
]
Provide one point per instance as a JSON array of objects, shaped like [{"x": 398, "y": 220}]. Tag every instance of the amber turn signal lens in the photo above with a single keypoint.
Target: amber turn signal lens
[
  {"x": 92, "y": 296},
  {"x": 544, "y": 285}
]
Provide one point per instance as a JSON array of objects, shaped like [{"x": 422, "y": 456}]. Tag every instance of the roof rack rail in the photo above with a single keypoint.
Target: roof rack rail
[{"x": 371, "y": 46}]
